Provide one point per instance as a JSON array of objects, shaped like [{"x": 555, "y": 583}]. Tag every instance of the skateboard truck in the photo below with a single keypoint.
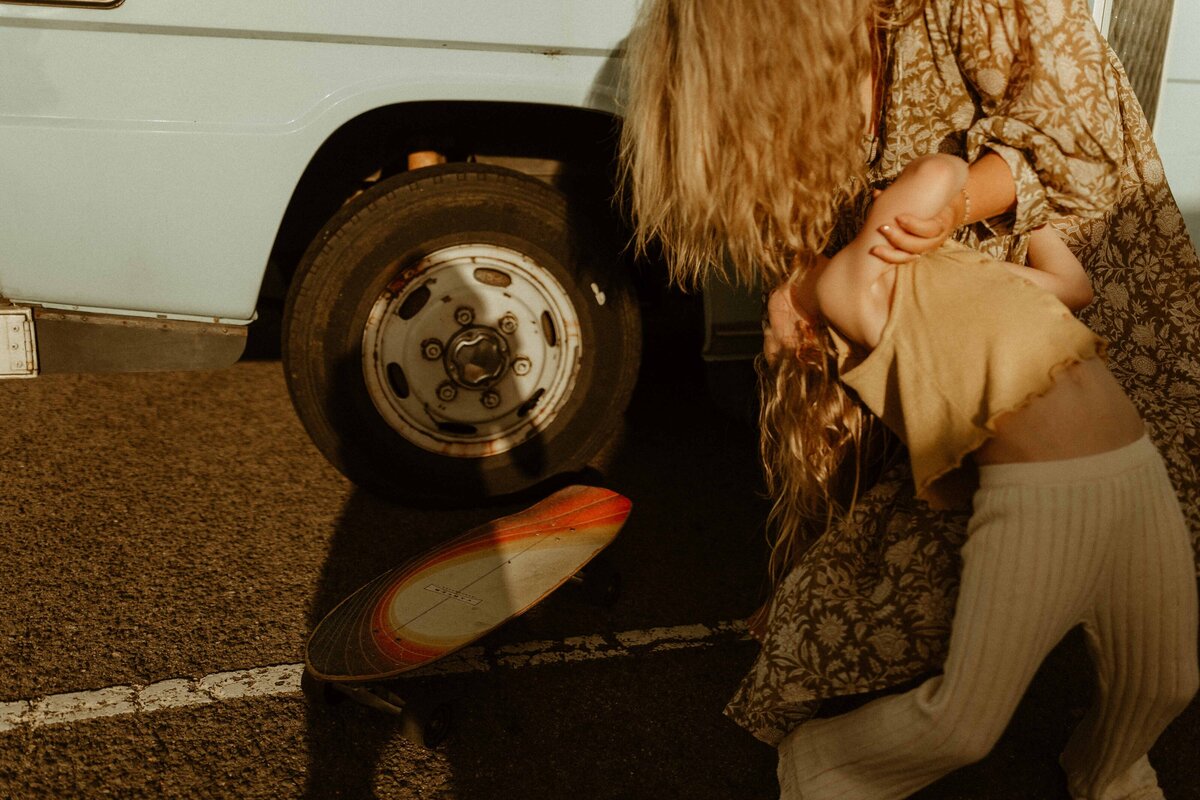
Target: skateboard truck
[{"x": 426, "y": 724}]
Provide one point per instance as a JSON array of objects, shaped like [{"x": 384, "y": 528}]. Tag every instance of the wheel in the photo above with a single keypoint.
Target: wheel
[
  {"x": 439, "y": 724},
  {"x": 427, "y": 724},
  {"x": 601, "y": 582},
  {"x": 457, "y": 333}
]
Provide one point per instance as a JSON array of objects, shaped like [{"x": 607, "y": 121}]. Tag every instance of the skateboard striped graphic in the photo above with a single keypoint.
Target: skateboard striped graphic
[{"x": 450, "y": 596}]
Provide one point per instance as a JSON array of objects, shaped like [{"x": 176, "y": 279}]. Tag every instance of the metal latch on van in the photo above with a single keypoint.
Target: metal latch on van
[{"x": 17, "y": 346}]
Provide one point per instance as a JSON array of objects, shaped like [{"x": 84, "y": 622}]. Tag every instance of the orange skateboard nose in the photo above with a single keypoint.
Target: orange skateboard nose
[{"x": 455, "y": 593}]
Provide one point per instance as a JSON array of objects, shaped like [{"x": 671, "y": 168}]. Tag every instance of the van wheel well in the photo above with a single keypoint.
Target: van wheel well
[{"x": 574, "y": 149}]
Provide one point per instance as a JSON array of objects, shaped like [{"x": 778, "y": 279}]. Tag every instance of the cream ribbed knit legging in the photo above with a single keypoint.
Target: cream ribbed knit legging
[{"x": 1098, "y": 540}]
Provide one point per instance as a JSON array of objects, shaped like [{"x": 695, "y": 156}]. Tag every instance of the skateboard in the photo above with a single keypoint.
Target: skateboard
[{"x": 455, "y": 593}]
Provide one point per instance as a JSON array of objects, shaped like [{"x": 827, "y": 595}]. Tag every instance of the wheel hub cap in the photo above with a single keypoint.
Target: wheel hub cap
[
  {"x": 477, "y": 358},
  {"x": 472, "y": 350}
]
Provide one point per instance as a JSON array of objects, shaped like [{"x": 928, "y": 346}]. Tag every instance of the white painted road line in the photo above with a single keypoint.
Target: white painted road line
[
  {"x": 58, "y": 709},
  {"x": 283, "y": 679}
]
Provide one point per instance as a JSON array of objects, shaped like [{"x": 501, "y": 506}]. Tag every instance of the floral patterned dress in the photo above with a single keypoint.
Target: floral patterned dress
[{"x": 870, "y": 603}]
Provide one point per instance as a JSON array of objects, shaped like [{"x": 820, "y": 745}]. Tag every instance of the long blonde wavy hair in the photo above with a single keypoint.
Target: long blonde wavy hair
[
  {"x": 819, "y": 445},
  {"x": 742, "y": 138}
]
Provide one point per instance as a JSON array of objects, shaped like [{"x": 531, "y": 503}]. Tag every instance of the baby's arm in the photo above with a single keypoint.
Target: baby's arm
[
  {"x": 1055, "y": 268},
  {"x": 854, "y": 290}
]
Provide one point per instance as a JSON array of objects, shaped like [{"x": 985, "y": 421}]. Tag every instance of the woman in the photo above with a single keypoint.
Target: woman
[
  {"x": 725, "y": 104},
  {"x": 1006, "y": 406}
]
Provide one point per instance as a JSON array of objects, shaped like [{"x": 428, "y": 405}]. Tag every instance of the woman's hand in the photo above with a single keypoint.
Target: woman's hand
[{"x": 913, "y": 236}]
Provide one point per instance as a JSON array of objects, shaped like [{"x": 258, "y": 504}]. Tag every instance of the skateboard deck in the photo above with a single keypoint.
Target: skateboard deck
[{"x": 452, "y": 595}]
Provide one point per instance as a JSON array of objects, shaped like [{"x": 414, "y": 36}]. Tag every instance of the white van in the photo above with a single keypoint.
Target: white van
[{"x": 452, "y": 332}]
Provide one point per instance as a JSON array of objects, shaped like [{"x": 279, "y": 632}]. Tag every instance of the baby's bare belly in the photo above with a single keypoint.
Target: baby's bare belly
[{"x": 1084, "y": 413}]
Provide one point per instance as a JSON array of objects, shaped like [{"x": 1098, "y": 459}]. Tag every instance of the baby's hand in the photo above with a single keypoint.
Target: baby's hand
[
  {"x": 783, "y": 323},
  {"x": 913, "y": 236}
]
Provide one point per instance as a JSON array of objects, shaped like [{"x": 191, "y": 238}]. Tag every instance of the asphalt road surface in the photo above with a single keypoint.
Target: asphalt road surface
[{"x": 169, "y": 540}]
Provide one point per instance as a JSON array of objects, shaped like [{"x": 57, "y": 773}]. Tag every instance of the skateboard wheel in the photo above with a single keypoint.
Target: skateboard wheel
[
  {"x": 601, "y": 583},
  {"x": 426, "y": 725},
  {"x": 438, "y": 725}
]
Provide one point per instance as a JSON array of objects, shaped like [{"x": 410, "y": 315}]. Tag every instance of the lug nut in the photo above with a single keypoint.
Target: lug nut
[
  {"x": 490, "y": 399},
  {"x": 464, "y": 315},
  {"x": 447, "y": 391},
  {"x": 508, "y": 323},
  {"x": 431, "y": 349},
  {"x": 521, "y": 365}
]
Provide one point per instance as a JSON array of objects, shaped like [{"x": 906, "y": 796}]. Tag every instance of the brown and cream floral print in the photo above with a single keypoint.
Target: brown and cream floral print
[{"x": 869, "y": 605}]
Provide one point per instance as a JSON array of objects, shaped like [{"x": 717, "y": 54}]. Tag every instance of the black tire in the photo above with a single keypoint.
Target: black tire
[{"x": 363, "y": 381}]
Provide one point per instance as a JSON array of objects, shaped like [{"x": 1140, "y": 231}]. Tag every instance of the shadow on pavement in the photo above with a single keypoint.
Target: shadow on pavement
[
  {"x": 631, "y": 727},
  {"x": 347, "y": 742}
]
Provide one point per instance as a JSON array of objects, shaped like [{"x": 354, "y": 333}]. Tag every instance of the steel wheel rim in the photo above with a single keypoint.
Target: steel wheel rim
[{"x": 471, "y": 351}]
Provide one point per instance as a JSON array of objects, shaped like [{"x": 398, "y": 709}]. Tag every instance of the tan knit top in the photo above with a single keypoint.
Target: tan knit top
[{"x": 965, "y": 342}]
